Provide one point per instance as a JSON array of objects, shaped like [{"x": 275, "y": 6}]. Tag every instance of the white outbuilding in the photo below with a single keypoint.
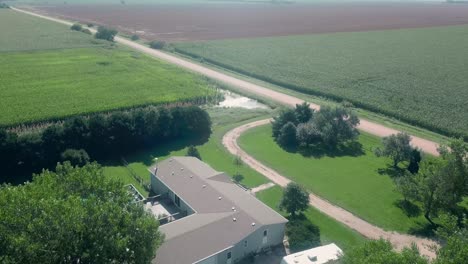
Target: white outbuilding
[{"x": 318, "y": 255}]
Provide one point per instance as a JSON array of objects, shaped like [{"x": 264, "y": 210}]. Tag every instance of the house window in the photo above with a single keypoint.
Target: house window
[
  {"x": 265, "y": 233},
  {"x": 177, "y": 200},
  {"x": 245, "y": 243},
  {"x": 229, "y": 255}
]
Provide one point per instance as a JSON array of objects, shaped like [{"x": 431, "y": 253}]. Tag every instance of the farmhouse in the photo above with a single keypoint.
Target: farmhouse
[{"x": 206, "y": 218}]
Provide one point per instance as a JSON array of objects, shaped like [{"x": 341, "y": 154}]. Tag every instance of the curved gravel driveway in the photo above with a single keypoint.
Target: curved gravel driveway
[{"x": 339, "y": 214}]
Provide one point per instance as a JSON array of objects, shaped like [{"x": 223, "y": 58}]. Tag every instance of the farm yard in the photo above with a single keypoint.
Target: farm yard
[
  {"x": 218, "y": 20},
  {"x": 357, "y": 182},
  {"x": 415, "y": 75},
  {"x": 50, "y": 72}
]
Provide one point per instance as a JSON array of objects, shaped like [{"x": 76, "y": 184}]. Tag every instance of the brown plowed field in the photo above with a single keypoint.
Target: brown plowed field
[{"x": 220, "y": 21}]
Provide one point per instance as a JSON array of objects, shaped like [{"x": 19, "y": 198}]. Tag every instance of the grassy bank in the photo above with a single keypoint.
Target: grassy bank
[{"x": 358, "y": 182}]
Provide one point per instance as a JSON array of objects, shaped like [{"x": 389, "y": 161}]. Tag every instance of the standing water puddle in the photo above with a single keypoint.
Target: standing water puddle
[{"x": 235, "y": 100}]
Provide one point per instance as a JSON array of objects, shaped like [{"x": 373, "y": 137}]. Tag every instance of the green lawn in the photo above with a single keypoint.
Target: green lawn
[
  {"x": 212, "y": 151},
  {"x": 331, "y": 231},
  {"x": 351, "y": 182},
  {"x": 21, "y": 32},
  {"x": 417, "y": 75},
  {"x": 120, "y": 173}
]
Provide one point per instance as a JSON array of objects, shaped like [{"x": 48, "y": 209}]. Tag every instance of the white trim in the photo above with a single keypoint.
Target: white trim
[{"x": 216, "y": 253}]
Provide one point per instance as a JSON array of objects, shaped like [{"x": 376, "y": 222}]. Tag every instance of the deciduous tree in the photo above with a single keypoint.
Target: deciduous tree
[
  {"x": 74, "y": 215},
  {"x": 397, "y": 147},
  {"x": 295, "y": 199}
]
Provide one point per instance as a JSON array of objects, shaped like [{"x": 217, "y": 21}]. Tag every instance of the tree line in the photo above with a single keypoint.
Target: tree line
[
  {"x": 305, "y": 127},
  {"x": 99, "y": 136}
]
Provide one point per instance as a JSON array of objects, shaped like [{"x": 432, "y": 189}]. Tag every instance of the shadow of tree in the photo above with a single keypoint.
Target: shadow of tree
[
  {"x": 392, "y": 171},
  {"x": 146, "y": 155},
  {"x": 423, "y": 229},
  {"x": 353, "y": 149},
  {"x": 409, "y": 208}
]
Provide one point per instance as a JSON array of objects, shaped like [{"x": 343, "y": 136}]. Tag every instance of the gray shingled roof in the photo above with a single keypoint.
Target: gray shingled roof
[{"x": 211, "y": 229}]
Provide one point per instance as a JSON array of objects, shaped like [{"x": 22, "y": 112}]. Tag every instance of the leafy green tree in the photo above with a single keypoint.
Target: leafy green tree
[
  {"x": 307, "y": 134},
  {"x": 192, "y": 151},
  {"x": 135, "y": 37},
  {"x": 336, "y": 125},
  {"x": 86, "y": 31},
  {"x": 455, "y": 172},
  {"x": 303, "y": 112},
  {"x": 429, "y": 184},
  {"x": 397, "y": 147},
  {"x": 285, "y": 116},
  {"x": 455, "y": 240},
  {"x": 381, "y": 252},
  {"x": 302, "y": 234},
  {"x": 105, "y": 33},
  {"x": 407, "y": 186},
  {"x": 74, "y": 215},
  {"x": 287, "y": 136},
  {"x": 295, "y": 199}
]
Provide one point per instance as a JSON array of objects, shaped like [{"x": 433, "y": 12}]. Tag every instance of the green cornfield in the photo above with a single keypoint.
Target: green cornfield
[
  {"x": 419, "y": 76},
  {"x": 49, "y": 72}
]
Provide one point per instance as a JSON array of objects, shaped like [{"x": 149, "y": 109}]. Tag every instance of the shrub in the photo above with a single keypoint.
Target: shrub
[
  {"x": 76, "y": 27},
  {"x": 157, "y": 44},
  {"x": 237, "y": 177},
  {"x": 3, "y": 5},
  {"x": 77, "y": 157},
  {"x": 106, "y": 33},
  {"x": 86, "y": 31},
  {"x": 135, "y": 37},
  {"x": 192, "y": 151},
  {"x": 90, "y": 25},
  {"x": 302, "y": 235}
]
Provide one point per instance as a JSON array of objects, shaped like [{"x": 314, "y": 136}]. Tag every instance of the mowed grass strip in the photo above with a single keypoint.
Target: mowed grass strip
[
  {"x": 353, "y": 183},
  {"x": 416, "y": 75},
  {"x": 42, "y": 85},
  {"x": 331, "y": 231},
  {"x": 21, "y": 32}
]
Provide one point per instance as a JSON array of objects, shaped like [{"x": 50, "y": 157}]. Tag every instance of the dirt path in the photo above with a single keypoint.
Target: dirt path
[
  {"x": 262, "y": 187},
  {"x": 365, "y": 125},
  {"x": 352, "y": 221}
]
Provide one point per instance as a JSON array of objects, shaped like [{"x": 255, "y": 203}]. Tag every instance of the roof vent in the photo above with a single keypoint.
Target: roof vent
[
  {"x": 181, "y": 169},
  {"x": 233, "y": 208},
  {"x": 204, "y": 186},
  {"x": 219, "y": 198},
  {"x": 172, "y": 173},
  {"x": 191, "y": 176},
  {"x": 234, "y": 219},
  {"x": 253, "y": 224}
]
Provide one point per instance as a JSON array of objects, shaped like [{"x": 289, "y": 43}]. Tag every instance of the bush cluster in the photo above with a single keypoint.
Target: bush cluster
[
  {"x": 157, "y": 44},
  {"x": 102, "y": 136},
  {"x": 76, "y": 27},
  {"x": 105, "y": 33},
  {"x": 303, "y": 126}
]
